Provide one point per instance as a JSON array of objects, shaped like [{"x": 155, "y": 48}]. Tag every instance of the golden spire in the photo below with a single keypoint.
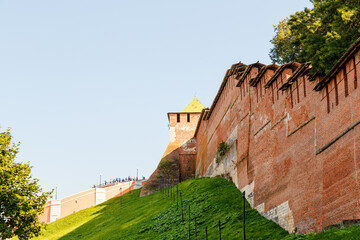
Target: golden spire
[{"x": 194, "y": 106}]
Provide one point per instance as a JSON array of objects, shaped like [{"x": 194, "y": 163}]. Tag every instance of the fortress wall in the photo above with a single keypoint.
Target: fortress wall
[
  {"x": 187, "y": 159},
  {"x": 114, "y": 191},
  {"x": 182, "y": 131},
  {"x": 201, "y": 156},
  {"x": 180, "y": 153},
  {"x": 57, "y": 209},
  {"x": 219, "y": 128},
  {"x": 77, "y": 202},
  {"x": 45, "y": 216},
  {"x": 296, "y": 158},
  {"x": 282, "y": 153},
  {"x": 338, "y": 111}
]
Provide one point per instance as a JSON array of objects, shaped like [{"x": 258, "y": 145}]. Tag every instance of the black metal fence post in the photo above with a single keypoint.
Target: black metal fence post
[
  {"x": 182, "y": 212},
  {"x": 189, "y": 222},
  {"x": 244, "y": 215},
  {"x": 219, "y": 223},
  {"x": 169, "y": 183},
  {"x": 177, "y": 197},
  {"x": 206, "y": 233},
  {"x": 173, "y": 190},
  {"x": 195, "y": 230}
]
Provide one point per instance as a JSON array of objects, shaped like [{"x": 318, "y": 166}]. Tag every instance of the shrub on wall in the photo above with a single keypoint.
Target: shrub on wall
[
  {"x": 166, "y": 167},
  {"x": 222, "y": 149}
]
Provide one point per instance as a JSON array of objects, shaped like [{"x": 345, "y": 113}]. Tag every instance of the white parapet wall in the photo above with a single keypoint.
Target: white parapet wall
[
  {"x": 138, "y": 184},
  {"x": 100, "y": 195},
  {"x": 88, "y": 198},
  {"x": 55, "y": 210}
]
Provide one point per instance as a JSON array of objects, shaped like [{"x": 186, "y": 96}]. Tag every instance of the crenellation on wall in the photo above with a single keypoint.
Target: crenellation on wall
[
  {"x": 294, "y": 133},
  {"x": 279, "y": 133}
]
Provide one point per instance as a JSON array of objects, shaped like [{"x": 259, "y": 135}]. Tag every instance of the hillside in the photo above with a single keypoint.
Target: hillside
[{"x": 155, "y": 217}]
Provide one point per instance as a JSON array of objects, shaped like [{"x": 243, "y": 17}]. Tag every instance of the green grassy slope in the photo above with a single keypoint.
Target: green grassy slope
[{"x": 156, "y": 217}]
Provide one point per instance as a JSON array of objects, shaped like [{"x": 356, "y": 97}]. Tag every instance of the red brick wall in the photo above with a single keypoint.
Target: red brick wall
[
  {"x": 182, "y": 131},
  {"x": 279, "y": 138},
  {"x": 181, "y": 152}
]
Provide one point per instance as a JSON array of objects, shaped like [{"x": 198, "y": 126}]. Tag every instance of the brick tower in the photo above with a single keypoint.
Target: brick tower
[
  {"x": 180, "y": 154},
  {"x": 182, "y": 127}
]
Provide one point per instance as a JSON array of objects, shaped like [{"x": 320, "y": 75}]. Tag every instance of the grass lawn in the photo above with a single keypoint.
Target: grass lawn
[{"x": 157, "y": 217}]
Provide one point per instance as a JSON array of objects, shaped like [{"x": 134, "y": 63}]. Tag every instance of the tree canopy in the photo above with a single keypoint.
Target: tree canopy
[
  {"x": 320, "y": 35},
  {"x": 21, "y": 198}
]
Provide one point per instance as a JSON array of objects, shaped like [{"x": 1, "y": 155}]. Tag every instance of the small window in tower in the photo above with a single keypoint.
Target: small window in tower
[
  {"x": 178, "y": 117},
  {"x": 188, "y": 117}
]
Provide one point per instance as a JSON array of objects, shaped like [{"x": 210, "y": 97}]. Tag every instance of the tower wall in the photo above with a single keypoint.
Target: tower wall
[
  {"x": 183, "y": 130},
  {"x": 178, "y": 160}
]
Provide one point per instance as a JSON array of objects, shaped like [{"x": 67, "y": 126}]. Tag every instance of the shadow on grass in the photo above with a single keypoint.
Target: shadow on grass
[
  {"x": 156, "y": 216},
  {"x": 115, "y": 221}
]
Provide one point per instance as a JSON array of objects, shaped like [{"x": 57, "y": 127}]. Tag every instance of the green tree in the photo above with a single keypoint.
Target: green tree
[
  {"x": 284, "y": 51},
  {"x": 21, "y": 198},
  {"x": 320, "y": 35}
]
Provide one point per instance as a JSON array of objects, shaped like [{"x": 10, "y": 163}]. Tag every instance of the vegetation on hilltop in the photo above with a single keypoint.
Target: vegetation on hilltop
[{"x": 320, "y": 35}]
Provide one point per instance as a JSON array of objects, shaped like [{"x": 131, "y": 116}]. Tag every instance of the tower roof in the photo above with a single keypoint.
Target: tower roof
[{"x": 194, "y": 106}]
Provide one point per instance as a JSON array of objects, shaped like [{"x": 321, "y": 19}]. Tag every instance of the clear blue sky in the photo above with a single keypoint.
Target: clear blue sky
[{"x": 86, "y": 85}]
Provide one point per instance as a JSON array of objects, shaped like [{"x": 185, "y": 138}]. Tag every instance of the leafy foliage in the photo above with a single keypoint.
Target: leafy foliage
[
  {"x": 222, "y": 149},
  {"x": 284, "y": 51},
  {"x": 320, "y": 35},
  {"x": 166, "y": 167},
  {"x": 21, "y": 200}
]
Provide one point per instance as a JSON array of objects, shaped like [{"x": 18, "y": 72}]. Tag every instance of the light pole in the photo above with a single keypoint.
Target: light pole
[
  {"x": 100, "y": 180},
  {"x": 137, "y": 174},
  {"x": 55, "y": 192}
]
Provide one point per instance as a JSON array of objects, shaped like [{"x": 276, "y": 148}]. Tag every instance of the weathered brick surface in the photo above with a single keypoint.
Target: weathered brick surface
[
  {"x": 280, "y": 143},
  {"x": 293, "y": 150},
  {"x": 181, "y": 152}
]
